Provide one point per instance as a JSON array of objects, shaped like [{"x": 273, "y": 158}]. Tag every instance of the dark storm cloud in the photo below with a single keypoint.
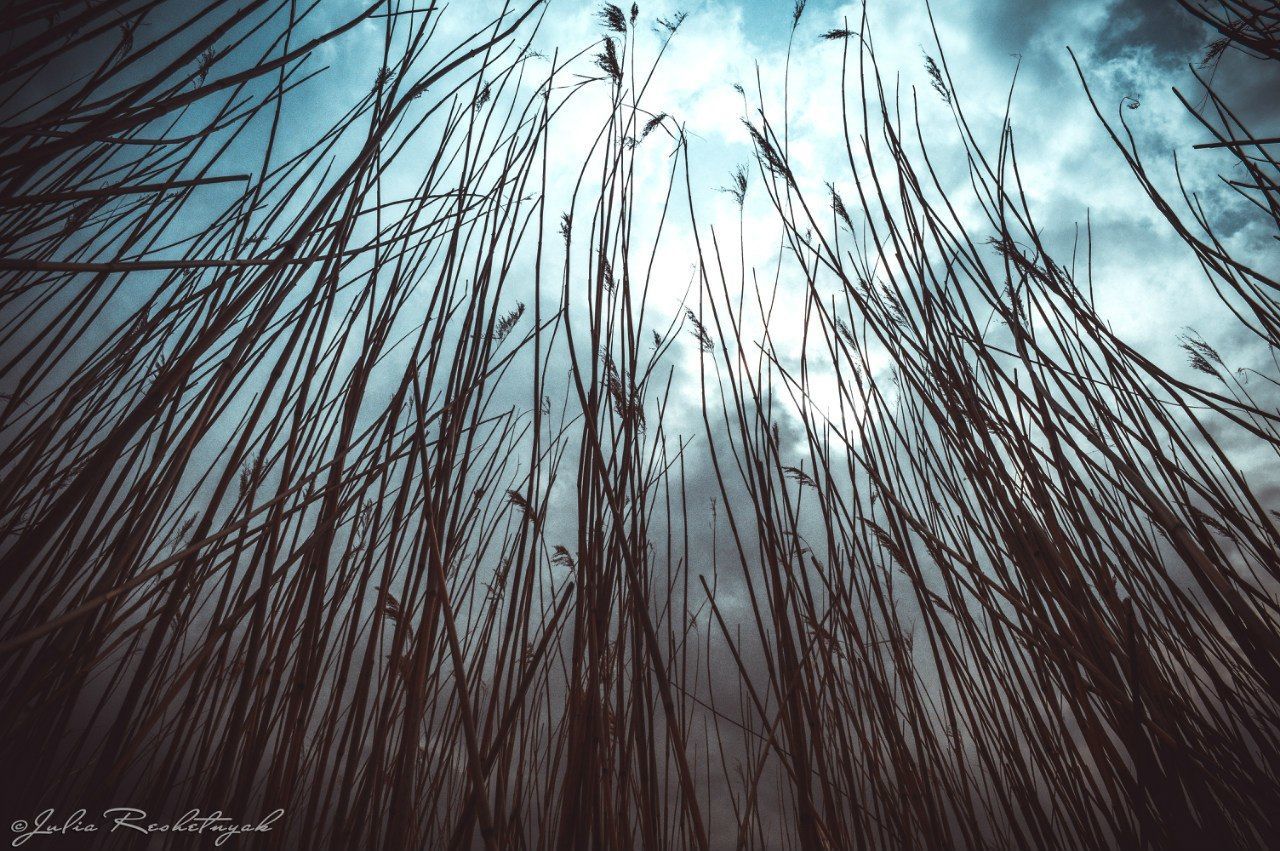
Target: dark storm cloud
[
  {"x": 1170, "y": 40},
  {"x": 1158, "y": 25}
]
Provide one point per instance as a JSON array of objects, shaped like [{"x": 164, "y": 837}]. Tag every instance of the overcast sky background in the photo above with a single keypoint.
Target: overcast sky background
[{"x": 1147, "y": 283}]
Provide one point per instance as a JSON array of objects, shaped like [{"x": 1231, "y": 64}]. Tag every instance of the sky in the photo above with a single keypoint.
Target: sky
[
  {"x": 1148, "y": 285},
  {"x": 1131, "y": 53}
]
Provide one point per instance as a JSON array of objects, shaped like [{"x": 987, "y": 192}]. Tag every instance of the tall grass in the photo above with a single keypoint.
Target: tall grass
[{"x": 345, "y": 482}]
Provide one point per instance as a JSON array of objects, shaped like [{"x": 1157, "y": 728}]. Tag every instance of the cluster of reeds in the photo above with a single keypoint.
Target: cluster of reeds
[
  {"x": 342, "y": 480},
  {"x": 1021, "y": 595}
]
